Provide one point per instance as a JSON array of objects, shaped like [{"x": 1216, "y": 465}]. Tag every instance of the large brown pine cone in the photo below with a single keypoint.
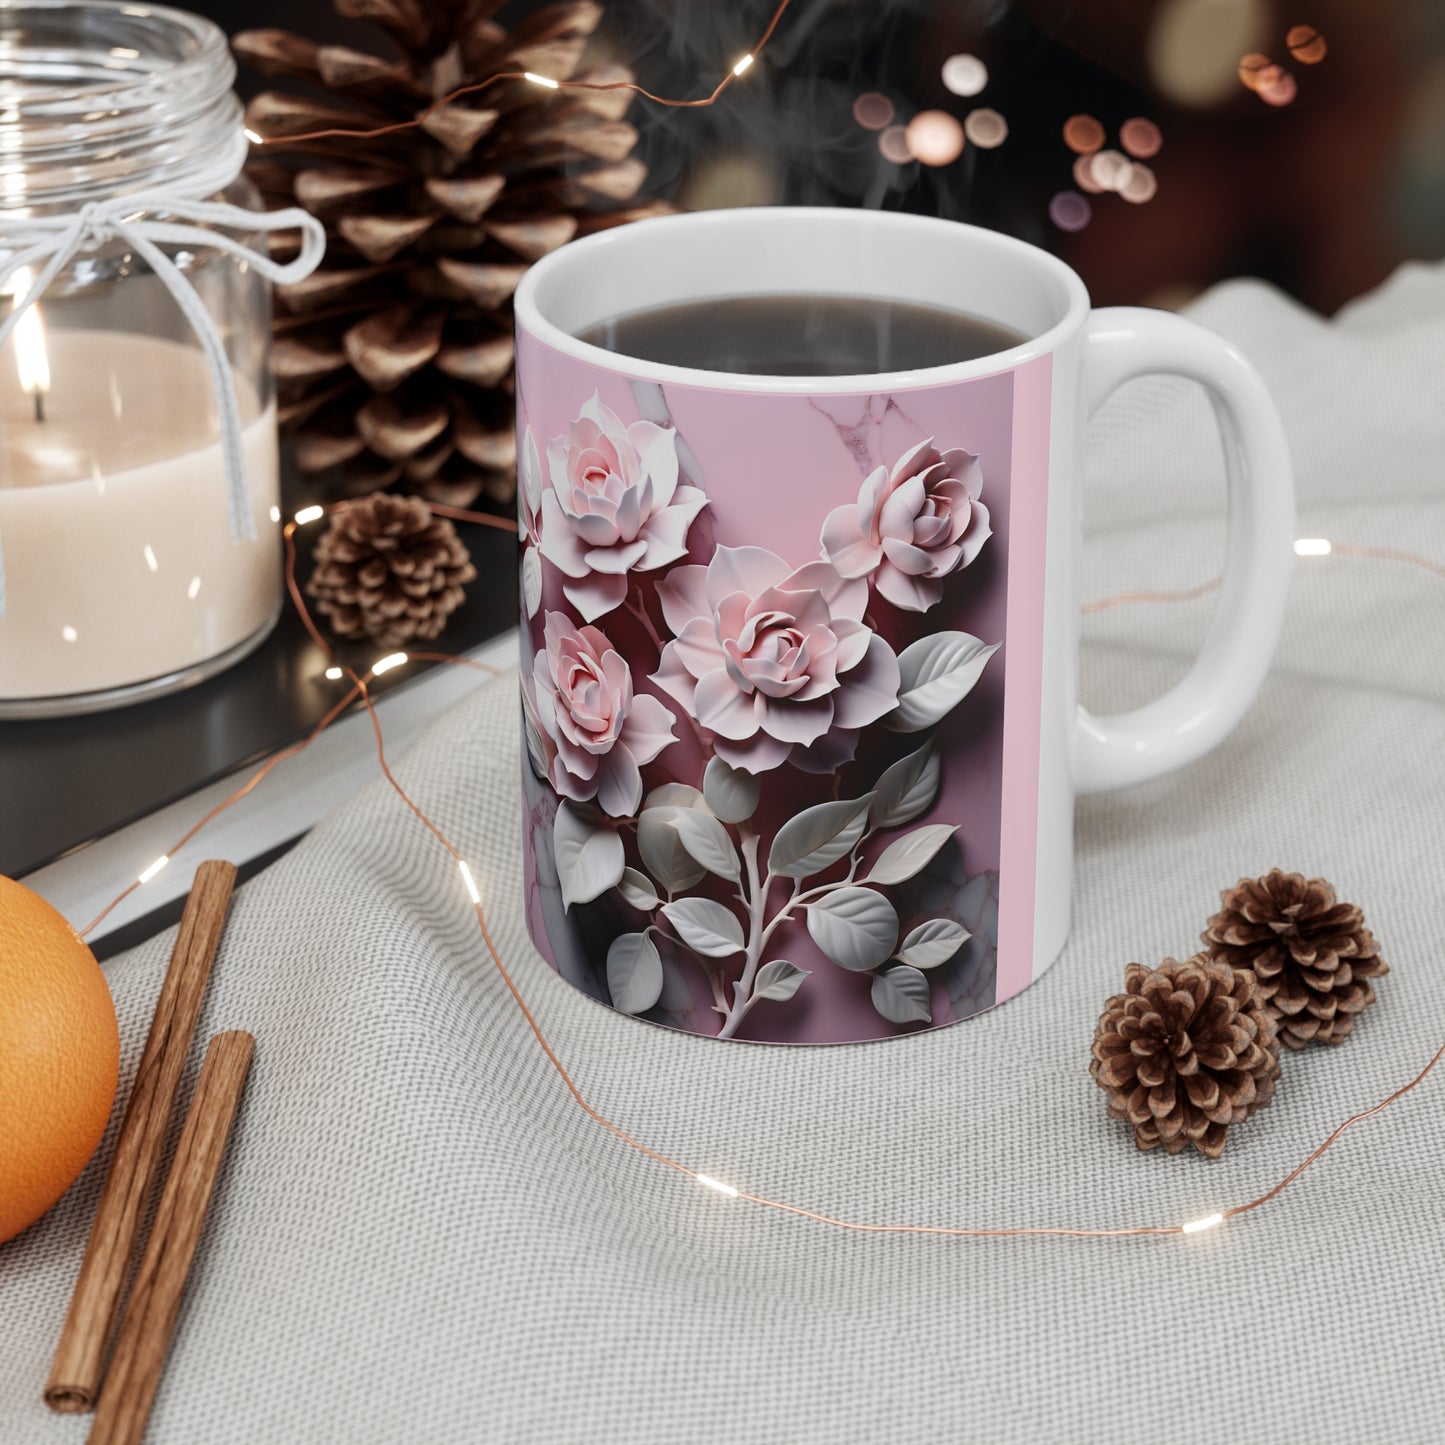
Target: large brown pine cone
[
  {"x": 394, "y": 360},
  {"x": 1185, "y": 1051},
  {"x": 388, "y": 570},
  {"x": 1312, "y": 956}
]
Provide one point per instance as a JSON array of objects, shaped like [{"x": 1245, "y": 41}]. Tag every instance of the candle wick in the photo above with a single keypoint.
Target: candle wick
[{"x": 39, "y": 404}]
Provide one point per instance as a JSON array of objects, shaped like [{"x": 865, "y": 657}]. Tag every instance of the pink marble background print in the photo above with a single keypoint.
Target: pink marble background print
[{"x": 741, "y": 576}]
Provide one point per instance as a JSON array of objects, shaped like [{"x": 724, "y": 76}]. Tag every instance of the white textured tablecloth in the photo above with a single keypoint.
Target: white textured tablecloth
[{"x": 419, "y": 1238}]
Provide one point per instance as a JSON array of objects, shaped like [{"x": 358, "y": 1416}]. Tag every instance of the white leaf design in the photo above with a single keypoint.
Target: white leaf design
[
  {"x": 856, "y": 927},
  {"x": 637, "y": 889},
  {"x": 818, "y": 837},
  {"x": 778, "y": 980},
  {"x": 674, "y": 795},
  {"x": 659, "y": 842},
  {"x": 907, "y": 789},
  {"x": 910, "y": 854},
  {"x": 705, "y": 927},
  {"x": 900, "y": 994},
  {"x": 589, "y": 857},
  {"x": 651, "y": 403},
  {"x": 531, "y": 476},
  {"x": 937, "y": 673},
  {"x": 933, "y": 943},
  {"x": 730, "y": 792},
  {"x": 707, "y": 841},
  {"x": 634, "y": 973},
  {"x": 532, "y": 579},
  {"x": 536, "y": 754}
]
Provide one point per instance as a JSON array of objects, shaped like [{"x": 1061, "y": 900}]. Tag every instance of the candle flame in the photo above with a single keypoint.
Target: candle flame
[{"x": 30, "y": 355}]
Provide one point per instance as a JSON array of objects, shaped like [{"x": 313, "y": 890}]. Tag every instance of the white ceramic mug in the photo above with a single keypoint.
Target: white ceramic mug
[{"x": 912, "y": 538}]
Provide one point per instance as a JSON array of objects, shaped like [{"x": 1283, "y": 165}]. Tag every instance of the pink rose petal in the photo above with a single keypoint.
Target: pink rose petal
[
  {"x": 619, "y": 783},
  {"x": 908, "y": 558},
  {"x": 870, "y": 689},
  {"x": 908, "y": 594},
  {"x": 596, "y": 595},
  {"x": 759, "y": 754},
  {"x": 846, "y": 545},
  {"x": 683, "y": 596},
  {"x": 835, "y": 749},
  {"x": 721, "y": 708},
  {"x": 675, "y": 680},
  {"x": 903, "y": 505},
  {"x": 617, "y": 559},
  {"x": 697, "y": 647},
  {"x": 657, "y": 452},
  {"x": 742, "y": 569},
  {"x": 791, "y": 721},
  {"x": 560, "y": 545},
  {"x": 648, "y": 728}
]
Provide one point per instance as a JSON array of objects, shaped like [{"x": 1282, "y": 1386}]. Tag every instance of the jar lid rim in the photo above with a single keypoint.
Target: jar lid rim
[{"x": 207, "y": 45}]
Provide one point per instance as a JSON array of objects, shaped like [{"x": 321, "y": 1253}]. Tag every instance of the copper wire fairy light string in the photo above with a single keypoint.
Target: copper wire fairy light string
[
  {"x": 547, "y": 82},
  {"x": 359, "y": 689}
]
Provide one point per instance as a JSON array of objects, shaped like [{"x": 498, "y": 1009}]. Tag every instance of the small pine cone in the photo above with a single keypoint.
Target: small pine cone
[
  {"x": 387, "y": 569},
  {"x": 1185, "y": 1051},
  {"x": 1313, "y": 957}
]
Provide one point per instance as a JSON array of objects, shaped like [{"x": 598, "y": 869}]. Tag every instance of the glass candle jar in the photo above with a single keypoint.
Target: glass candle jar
[{"x": 139, "y": 510}]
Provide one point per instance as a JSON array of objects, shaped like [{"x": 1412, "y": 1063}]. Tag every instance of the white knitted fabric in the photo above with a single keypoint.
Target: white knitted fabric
[{"x": 419, "y": 1237}]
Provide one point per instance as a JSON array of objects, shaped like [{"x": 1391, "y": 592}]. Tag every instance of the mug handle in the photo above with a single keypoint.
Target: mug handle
[{"x": 1196, "y": 714}]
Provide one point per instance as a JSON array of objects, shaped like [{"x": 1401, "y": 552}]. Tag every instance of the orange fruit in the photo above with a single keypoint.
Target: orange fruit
[{"x": 59, "y": 1056}]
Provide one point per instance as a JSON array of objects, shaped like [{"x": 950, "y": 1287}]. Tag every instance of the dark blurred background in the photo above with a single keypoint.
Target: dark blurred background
[{"x": 1302, "y": 141}]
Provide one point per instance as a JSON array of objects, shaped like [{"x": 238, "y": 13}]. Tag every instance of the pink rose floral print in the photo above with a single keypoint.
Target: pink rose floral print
[{"x": 695, "y": 717}]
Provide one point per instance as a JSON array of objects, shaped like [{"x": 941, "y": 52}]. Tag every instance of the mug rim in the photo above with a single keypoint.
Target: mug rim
[{"x": 530, "y": 317}]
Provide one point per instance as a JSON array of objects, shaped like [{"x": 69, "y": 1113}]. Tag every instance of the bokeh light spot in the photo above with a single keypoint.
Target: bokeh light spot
[
  {"x": 1277, "y": 87},
  {"x": 1110, "y": 170},
  {"x": 1193, "y": 47},
  {"x": 873, "y": 110},
  {"x": 893, "y": 142},
  {"x": 965, "y": 74},
  {"x": 1084, "y": 175},
  {"x": 1140, "y": 137},
  {"x": 934, "y": 137},
  {"x": 1252, "y": 66},
  {"x": 985, "y": 128},
  {"x": 1140, "y": 185},
  {"x": 1083, "y": 134},
  {"x": 1070, "y": 211},
  {"x": 1306, "y": 44}
]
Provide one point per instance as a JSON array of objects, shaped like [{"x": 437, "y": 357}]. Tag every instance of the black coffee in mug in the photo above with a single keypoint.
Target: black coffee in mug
[{"x": 801, "y": 335}]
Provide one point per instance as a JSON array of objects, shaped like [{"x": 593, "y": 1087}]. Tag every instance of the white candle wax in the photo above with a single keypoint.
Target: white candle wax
[{"x": 114, "y": 523}]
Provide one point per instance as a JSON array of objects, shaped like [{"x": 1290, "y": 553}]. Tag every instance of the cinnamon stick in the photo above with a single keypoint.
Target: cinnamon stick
[
  {"x": 79, "y": 1362},
  {"x": 155, "y": 1298}
]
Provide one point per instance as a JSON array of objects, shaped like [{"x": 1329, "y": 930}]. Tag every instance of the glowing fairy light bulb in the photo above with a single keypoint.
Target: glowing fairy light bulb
[
  {"x": 472, "y": 890},
  {"x": 149, "y": 873},
  {"x": 1196, "y": 1226},
  {"x": 543, "y": 80},
  {"x": 708, "y": 1182},
  {"x": 742, "y": 64}
]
